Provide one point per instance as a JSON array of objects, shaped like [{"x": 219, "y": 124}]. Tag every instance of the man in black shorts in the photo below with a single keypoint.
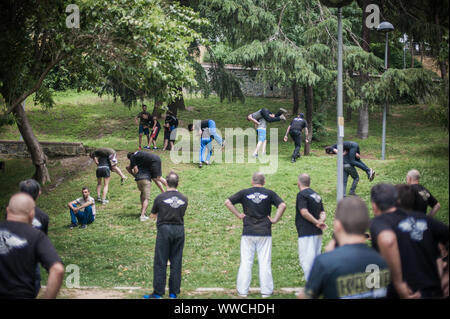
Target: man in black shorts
[
  {"x": 295, "y": 130},
  {"x": 103, "y": 172},
  {"x": 409, "y": 243},
  {"x": 344, "y": 273},
  {"x": 424, "y": 197},
  {"x": 22, "y": 247},
  {"x": 168, "y": 209},
  {"x": 144, "y": 124},
  {"x": 170, "y": 130},
  {"x": 112, "y": 157},
  {"x": 146, "y": 167},
  {"x": 40, "y": 220}
]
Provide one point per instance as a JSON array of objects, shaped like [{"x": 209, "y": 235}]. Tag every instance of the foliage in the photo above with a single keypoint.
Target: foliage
[
  {"x": 395, "y": 55},
  {"x": 437, "y": 103}
]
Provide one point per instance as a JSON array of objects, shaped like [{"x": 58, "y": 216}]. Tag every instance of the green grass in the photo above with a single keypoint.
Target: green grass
[{"x": 117, "y": 249}]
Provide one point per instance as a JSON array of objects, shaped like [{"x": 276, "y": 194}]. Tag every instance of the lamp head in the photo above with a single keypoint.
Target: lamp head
[{"x": 385, "y": 27}]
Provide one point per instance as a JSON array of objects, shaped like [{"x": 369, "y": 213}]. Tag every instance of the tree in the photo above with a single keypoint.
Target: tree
[{"x": 130, "y": 49}]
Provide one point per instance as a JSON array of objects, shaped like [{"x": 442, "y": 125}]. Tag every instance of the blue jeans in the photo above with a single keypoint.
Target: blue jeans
[
  {"x": 83, "y": 216},
  {"x": 213, "y": 133},
  {"x": 205, "y": 143}
]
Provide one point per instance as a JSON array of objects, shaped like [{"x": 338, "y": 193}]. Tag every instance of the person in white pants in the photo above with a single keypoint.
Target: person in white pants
[
  {"x": 257, "y": 204},
  {"x": 310, "y": 222}
]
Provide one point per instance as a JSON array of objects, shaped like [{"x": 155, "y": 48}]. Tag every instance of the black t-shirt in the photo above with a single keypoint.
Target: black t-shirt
[
  {"x": 204, "y": 124},
  {"x": 143, "y": 161},
  {"x": 103, "y": 161},
  {"x": 144, "y": 118},
  {"x": 21, "y": 248},
  {"x": 417, "y": 237},
  {"x": 344, "y": 272},
  {"x": 40, "y": 220},
  {"x": 170, "y": 207},
  {"x": 423, "y": 198},
  {"x": 310, "y": 200},
  {"x": 257, "y": 203},
  {"x": 171, "y": 120},
  {"x": 298, "y": 124},
  {"x": 157, "y": 124},
  {"x": 103, "y": 152},
  {"x": 347, "y": 145}
]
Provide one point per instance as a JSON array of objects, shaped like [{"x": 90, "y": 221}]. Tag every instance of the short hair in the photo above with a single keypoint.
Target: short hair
[
  {"x": 129, "y": 155},
  {"x": 329, "y": 150},
  {"x": 406, "y": 197},
  {"x": 31, "y": 187},
  {"x": 353, "y": 214},
  {"x": 414, "y": 174},
  {"x": 172, "y": 179},
  {"x": 190, "y": 127},
  {"x": 258, "y": 178},
  {"x": 384, "y": 196},
  {"x": 143, "y": 105},
  {"x": 85, "y": 188},
  {"x": 304, "y": 179}
]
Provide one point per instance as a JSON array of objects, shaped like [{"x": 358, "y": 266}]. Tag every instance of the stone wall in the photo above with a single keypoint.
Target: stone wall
[
  {"x": 18, "y": 149},
  {"x": 250, "y": 84}
]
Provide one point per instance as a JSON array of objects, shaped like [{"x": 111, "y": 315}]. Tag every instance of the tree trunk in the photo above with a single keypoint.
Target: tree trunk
[
  {"x": 363, "y": 119},
  {"x": 178, "y": 104},
  {"x": 295, "y": 96},
  {"x": 309, "y": 111},
  {"x": 38, "y": 156},
  {"x": 412, "y": 51},
  {"x": 157, "y": 109}
]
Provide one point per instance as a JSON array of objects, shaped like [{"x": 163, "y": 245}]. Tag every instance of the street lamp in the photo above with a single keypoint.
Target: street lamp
[
  {"x": 385, "y": 27},
  {"x": 340, "y": 117}
]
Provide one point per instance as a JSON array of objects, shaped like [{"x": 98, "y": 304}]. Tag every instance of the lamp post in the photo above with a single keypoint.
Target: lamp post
[
  {"x": 340, "y": 117},
  {"x": 385, "y": 27}
]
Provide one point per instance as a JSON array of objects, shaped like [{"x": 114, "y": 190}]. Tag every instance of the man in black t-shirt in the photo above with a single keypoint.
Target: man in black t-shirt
[
  {"x": 257, "y": 203},
  {"x": 409, "y": 243},
  {"x": 424, "y": 197},
  {"x": 169, "y": 209},
  {"x": 353, "y": 270},
  {"x": 40, "y": 220},
  {"x": 22, "y": 247},
  {"x": 144, "y": 123},
  {"x": 309, "y": 221},
  {"x": 170, "y": 130},
  {"x": 145, "y": 167},
  {"x": 295, "y": 130}
]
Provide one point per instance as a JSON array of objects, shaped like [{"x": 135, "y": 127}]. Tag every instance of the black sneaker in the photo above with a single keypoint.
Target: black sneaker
[
  {"x": 371, "y": 175},
  {"x": 200, "y": 165},
  {"x": 293, "y": 160},
  {"x": 72, "y": 226},
  {"x": 84, "y": 226}
]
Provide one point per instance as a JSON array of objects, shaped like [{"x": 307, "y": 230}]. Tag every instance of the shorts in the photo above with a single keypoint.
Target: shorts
[
  {"x": 155, "y": 133},
  {"x": 103, "y": 171},
  {"x": 113, "y": 159},
  {"x": 144, "y": 185},
  {"x": 166, "y": 134},
  {"x": 155, "y": 169},
  {"x": 143, "y": 130},
  {"x": 261, "y": 134},
  {"x": 173, "y": 135}
]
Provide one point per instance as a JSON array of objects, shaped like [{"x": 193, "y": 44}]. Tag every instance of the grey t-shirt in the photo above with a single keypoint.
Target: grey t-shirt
[{"x": 262, "y": 122}]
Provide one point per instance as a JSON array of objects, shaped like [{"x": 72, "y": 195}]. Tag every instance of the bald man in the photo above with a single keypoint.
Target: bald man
[
  {"x": 423, "y": 197},
  {"x": 21, "y": 248}
]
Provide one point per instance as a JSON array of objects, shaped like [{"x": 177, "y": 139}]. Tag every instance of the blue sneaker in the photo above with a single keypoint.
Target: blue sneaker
[
  {"x": 172, "y": 296},
  {"x": 147, "y": 147},
  {"x": 152, "y": 296}
]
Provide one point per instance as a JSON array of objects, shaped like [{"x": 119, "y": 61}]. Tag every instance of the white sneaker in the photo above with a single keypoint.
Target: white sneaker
[
  {"x": 144, "y": 218},
  {"x": 266, "y": 296},
  {"x": 242, "y": 295},
  {"x": 283, "y": 110},
  {"x": 283, "y": 117}
]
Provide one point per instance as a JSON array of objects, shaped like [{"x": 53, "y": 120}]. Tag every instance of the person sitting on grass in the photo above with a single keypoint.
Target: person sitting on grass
[{"x": 82, "y": 210}]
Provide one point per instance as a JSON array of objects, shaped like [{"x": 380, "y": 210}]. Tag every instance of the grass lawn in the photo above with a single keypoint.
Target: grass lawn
[{"x": 117, "y": 249}]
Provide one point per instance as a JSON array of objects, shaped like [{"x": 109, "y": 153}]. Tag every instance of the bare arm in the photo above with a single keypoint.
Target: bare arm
[
  {"x": 434, "y": 210},
  {"x": 96, "y": 160},
  {"x": 280, "y": 210},
  {"x": 286, "y": 135},
  {"x": 250, "y": 118},
  {"x": 387, "y": 243},
  {"x": 319, "y": 223},
  {"x": 233, "y": 209},
  {"x": 55, "y": 277},
  {"x": 307, "y": 135}
]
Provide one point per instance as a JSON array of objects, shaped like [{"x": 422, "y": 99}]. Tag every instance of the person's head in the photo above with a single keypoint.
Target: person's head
[
  {"x": 129, "y": 154},
  {"x": 406, "y": 197},
  {"x": 144, "y": 107},
  {"x": 190, "y": 127},
  {"x": 258, "y": 178},
  {"x": 92, "y": 155},
  {"x": 172, "y": 180},
  {"x": 383, "y": 198},
  {"x": 351, "y": 218},
  {"x": 31, "y": 187},
  {"x": 85, "y": 192},
  {"x": 155, "y": 118},
  {"x": 20, "y": 208},
  {"x": 302, "y": 115},
  {"x": 304, "y": 181},
  {"x": 329, "y": 150},
  {"x": 413, "y": 177}
]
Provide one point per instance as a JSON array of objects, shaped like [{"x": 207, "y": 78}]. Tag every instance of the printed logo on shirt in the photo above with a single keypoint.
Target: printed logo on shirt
[
  {"x": 414, "y": 227},
  {"x": 174, "y": 202},
  {"x": 36, "y": 223},
  {"x": 316, "y": 197},
  {"x": 257, "y": 197},
  {"x": 424, "y": 194},
  {"x": 9, "y": 241}
]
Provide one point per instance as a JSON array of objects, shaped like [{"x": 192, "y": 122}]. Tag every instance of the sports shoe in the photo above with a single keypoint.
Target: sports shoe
[
  {"x": 105, "y": 201},
  {"x": 282, "y": 117},
  {"x": 99, "y": 199},
  {"x": 172, "y": 296},
  {"x": 144, "y": 218},
  {"x": 122, "y": 180},
  {"x": 152, "y": 296},
  {"x": 266, "y": 296},
  {"x": 283, "y": 110},
  {"x": 207, "y": 163},
  {"x": 155, "y": 148},
  {"x": 83, "y": 226},
  {"x": 242, "y": 295},
  {"x": 371, "y": 175},
  {"x": 200, "y": 165},
  {"x": 72, "y": 226},
  {"x": 147, "y": 147},
  {"x": 255, "y": 155},
  {"x": 293, "y": 160}
]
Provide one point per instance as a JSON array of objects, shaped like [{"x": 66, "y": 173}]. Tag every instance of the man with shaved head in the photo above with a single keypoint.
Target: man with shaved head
[
  {"x": 257, "y": 203},
  {"x": 424, "y": 197},
  {"x": 21, "y": 248}
]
